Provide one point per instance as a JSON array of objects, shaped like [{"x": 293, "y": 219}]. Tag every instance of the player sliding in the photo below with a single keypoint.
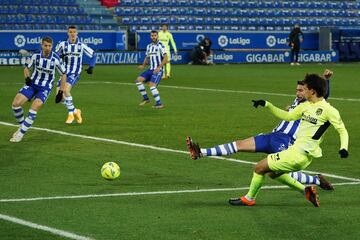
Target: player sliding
[
  {"x": 278, "y": 140},
  {"x": 71, "y": 51},
  {"x": 37, "y": 86},
  {"x": 156, "y": 55},
  {"x": 316, "y": 116}
]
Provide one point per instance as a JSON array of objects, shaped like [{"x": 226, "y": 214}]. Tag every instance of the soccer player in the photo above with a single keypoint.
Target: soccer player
[
  {"x": 38, "y": 85},
  {"x": 71, "y": 51},
  {"x": 316, "y": 116},
  {"x": 164, "y": 37},
  {"x": 157, "y": 57},
  {"x": 278, "y": 140}
]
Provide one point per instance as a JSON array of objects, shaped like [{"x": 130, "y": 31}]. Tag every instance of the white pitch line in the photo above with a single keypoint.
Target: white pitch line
[
  {"x": 209, "y": 90},
  {"x": 219, "y": 90},
  {"x": 152, "y": 193},
  {"x": 151, "y": 147},
  {"x": 43, "y": 228}
]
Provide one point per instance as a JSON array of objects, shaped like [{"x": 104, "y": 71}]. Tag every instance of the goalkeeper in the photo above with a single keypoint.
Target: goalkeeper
[{"x": 164, "y": 37}]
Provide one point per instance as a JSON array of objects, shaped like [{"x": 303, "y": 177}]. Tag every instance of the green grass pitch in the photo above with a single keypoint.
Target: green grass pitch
[{"x": 210, "y": 103}]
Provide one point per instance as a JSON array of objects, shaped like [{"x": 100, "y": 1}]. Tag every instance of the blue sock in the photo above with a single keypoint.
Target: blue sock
[
  {"x": 220, "y": 150},
  {"x": 142, "y": 90},
  {"x": 156, "y": 95},
  {"x": 28, "y": 121},
  {"x": 304, "y": 178},
  {"x": 19, "y": 114}
]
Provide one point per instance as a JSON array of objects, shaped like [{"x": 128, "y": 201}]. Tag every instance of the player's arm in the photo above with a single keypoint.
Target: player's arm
[
  {"x": 327, "y": 75},
  {"x": 58, "y": 49},
  {"x": 92, "y": 55},
  {"x": 295, "y": 114},
  {"x": 62, "y": 71},
  {"x": 145, "y": 62},
  {"x": 335, "y": 119},
  {"x": 173, "y": 44},
  {"x": 29, "y": 63}
]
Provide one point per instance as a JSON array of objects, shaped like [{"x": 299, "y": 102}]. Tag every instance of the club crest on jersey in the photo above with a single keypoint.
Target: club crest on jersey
[{"x": 319, "y": 111}]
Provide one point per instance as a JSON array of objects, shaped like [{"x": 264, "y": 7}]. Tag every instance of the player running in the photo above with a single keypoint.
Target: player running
[
  {"x": 278, "y": 140},
  {"x": 316, "y": 116},
  {"x": 37, "y": 86},
  {"x": 164, "y": 37},
  {"x": 157, "y": 56},
  {"x": 71, "y": 51}
]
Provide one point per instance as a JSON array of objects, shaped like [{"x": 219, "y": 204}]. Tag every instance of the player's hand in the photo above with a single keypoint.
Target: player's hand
[
  {"x": 257, "y": 103},
  {"x": 141, "y": 66},
  {"x": 89, "y": 70},
  {"x": 59, "y": 96},
  {"x": 176, "y": 53},
  {"x": 156, "y": 70},
  {"x": 28, "y": 81},
  {"x": 327, "y": 74},
  {"x": 343, "y": 153}
]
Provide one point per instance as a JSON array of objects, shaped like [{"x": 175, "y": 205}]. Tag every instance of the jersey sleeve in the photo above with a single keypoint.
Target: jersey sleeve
[
  {"x": 30, "y": 61},
  {"x": 60, "y": 66},
  {"x": 88, "y": 50},
  {"x": 147, "y": 51},
  {"x": 295, "y": 114},
  {"x": 335, "y": 120},
  {"x": 59, "y": 47},
  {"x": 172, "y": 42},
  {"x": 162, "y": 50}
]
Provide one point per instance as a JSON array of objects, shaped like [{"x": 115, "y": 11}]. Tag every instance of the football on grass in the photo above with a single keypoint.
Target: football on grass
[{"x": 110, "y": 171}]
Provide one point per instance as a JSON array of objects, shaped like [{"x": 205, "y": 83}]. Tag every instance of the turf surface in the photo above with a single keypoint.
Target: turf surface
[{"x": 49, "y": 164}]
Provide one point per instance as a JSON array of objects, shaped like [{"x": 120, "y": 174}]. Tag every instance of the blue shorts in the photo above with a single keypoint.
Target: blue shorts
[
  {"x": 31, "y": 92},
  {"x": 151, "y": 77},
  {"x": 272, "y": 142},
  {"x": 72, "y": 79}
]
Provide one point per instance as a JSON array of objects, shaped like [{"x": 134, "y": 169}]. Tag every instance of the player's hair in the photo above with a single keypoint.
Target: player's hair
[
  {"x": 46, "y": 39},
  {"x": 301, "y": 83},
  {"x": 154, "y": 31},
  {"x": 316, "y": 83},
  {"x": 71, "y": 27},
  {"x": 164, "y": 24}
]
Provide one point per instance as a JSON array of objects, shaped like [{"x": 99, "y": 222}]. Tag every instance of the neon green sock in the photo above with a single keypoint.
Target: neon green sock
[
  {"x": 255, "y": 185},
  {"x": 286, "y": 179},
  {"x": 168, "y": 69}
]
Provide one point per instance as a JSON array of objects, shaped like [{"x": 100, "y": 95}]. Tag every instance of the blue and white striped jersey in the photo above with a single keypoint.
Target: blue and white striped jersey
[
  {"x": 155, "y": 52},
  {"x": 289, "y": 128},
  {"x": 72, "y": 54},
  {"x": 44, "y": 69}
]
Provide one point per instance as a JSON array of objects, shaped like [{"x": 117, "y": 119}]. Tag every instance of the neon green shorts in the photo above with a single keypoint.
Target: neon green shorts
[{"x": 289, "y": 160}]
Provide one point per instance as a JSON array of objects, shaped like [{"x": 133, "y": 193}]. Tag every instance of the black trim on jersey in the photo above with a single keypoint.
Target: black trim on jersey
[{"x": 321, "y": 130}]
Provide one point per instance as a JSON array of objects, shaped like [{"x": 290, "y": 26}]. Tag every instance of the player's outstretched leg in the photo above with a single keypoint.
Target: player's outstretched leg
[
  {"x": 19, "y": 134},
  {"x": 219, "y": 150},
  {"x": 143, "y": 93},
  {"x": 318, "y": 180}
]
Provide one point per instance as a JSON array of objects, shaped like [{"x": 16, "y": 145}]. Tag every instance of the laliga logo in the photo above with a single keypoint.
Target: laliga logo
[
  {"x": 199, "y": 37},
  {"x": 19, "y": 40},
  {"x": 223, "y": 41},
  {"x": 271, "y": 41},
  {"x": 92, "y": 40}
]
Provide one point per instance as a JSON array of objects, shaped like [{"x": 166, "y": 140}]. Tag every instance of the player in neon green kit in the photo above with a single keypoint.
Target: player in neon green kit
[
  {"x": 164, "y": 37},
  {"x": 316, "y": 116}
]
